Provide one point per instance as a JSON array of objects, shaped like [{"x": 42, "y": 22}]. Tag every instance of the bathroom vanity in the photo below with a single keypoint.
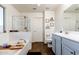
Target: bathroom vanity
[
  {"x": 16, "y": 51},
  {"x": 12, "y": 39},
  {"x": 65, "y": 44}
]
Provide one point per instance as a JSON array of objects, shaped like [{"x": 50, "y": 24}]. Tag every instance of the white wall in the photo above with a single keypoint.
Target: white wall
[
  {"x": 59, "y": 17},
  {"x": 9, "y": 12},
  {"x": 33, "y": 14}
]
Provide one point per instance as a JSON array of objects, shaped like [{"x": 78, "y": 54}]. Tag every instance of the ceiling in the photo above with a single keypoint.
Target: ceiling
[
  {"x": 35, "y": 7},
  {"x": 73, "y": 8}
]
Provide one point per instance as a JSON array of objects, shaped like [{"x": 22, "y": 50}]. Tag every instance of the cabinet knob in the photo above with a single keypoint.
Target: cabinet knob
[{"x": 71, "y": 52}]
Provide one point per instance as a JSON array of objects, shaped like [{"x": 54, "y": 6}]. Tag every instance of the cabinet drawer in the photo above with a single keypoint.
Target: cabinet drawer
[
  {"x": 72, "y": 44},
  {"x": 67, "y": 51}
]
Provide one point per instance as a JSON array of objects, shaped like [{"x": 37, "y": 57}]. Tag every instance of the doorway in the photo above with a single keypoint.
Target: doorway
[{"x": 37, "y": 29}]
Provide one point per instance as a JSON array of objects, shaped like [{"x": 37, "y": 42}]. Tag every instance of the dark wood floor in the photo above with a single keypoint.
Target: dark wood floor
[{"x": 41, "y": 47}]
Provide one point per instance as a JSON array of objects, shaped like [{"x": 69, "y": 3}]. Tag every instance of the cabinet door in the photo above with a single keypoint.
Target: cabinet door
[
  {"x": 66, "y": 50},
  {"x": 71, "y": 44},
  {"x": 58, "y": 45},
  {"x": 77, "y": 52},
  {"x": 53, "y": 43}
]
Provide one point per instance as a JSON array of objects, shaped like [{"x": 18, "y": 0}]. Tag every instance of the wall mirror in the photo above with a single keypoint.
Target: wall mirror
[{"x": 71, "y": 18}]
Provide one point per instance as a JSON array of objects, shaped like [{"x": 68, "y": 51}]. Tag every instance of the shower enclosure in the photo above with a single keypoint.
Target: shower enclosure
[{"x": 20, "y": 23}]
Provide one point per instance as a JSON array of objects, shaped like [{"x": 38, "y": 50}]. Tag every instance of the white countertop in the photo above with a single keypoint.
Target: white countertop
[
  {"x": 71, "y": 35},
  {"x": 12, "y": 52}
]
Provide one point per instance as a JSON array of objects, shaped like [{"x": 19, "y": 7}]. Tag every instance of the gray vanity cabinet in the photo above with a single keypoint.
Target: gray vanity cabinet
[
  {"x": 56, "y": 44},
  {"x": 64, "y": 46},
  {"x": 53, "y": 43},
  {"x": 66, "y": 50},
  {"x": 73, "y": 46}
]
